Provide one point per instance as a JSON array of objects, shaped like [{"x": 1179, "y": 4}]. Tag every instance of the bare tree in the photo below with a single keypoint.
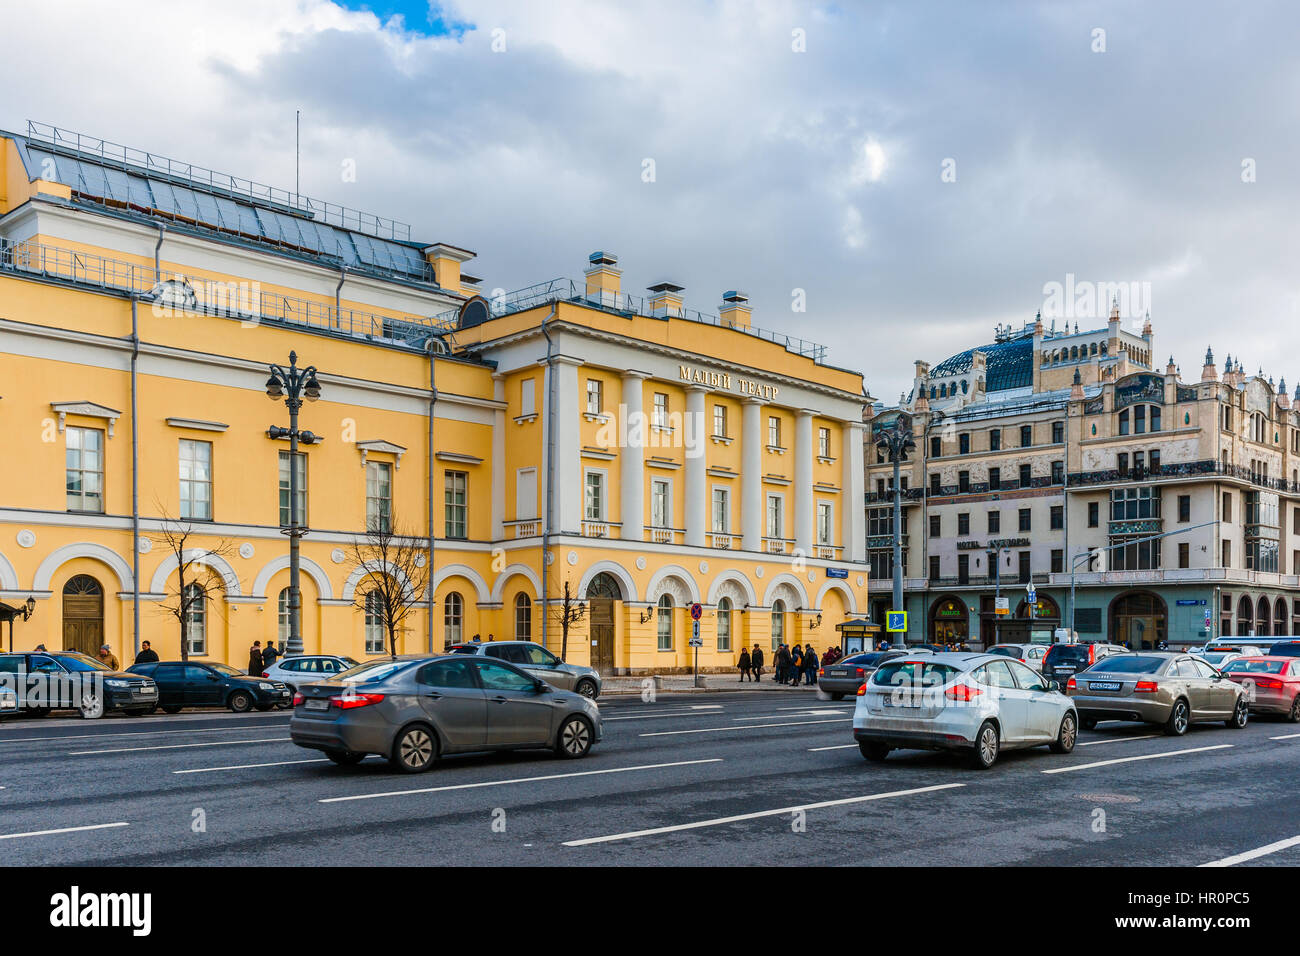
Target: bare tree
[
  {"x": 567, "y": 612},
  {"x": 396, "y": 571},
  {"x": 197, "y": 580}
]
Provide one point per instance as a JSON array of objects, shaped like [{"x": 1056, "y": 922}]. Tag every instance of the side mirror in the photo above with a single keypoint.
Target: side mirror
[
  {"x": 1053, "y": 685},
  {"x": 541, "y": 687}
]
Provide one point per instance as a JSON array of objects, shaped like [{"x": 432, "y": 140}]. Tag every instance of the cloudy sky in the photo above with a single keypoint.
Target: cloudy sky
[{"x": 922, "y": 171}]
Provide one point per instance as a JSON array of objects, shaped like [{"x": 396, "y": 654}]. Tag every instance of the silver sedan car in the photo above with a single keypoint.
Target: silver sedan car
[
  {"x": 978, "y": 703},
  {"x": 538, "y": 661},
  {"x": 1157, "y": 687},
  {"x": 412, "y": 710}
]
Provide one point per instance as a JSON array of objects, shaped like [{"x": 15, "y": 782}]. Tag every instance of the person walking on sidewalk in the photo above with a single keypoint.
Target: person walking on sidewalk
[
  {"x": 756, "y": 662},
  {"x": 255, "y": 659},
  {"x": 809, "y": 665},
  {"x": 796, "y": 665},
  {"x": 744, "y": 664},
  {"x": 781, "y": 661}
]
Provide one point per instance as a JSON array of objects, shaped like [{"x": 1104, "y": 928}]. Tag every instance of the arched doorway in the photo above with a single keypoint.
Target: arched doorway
[
  {"x": 1245, "y": 617},
  {"x": 1138, "y": 619},
  {"x": 949, "y": 621},
  {"x": 1036, "y": 621},
  {"x": 83, "y": 615},
  {"x": 1263, "y": 628},
  {"x": 1279, "y": 618},
  {"x": 602, "y": 592}
]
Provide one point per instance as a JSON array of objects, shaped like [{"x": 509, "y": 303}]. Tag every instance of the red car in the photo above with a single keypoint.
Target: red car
[{"x": 1275, "y": 680}]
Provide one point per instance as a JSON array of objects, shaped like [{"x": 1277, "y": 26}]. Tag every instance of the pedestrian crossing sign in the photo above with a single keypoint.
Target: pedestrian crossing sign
[{"x": 896, "y": 622}]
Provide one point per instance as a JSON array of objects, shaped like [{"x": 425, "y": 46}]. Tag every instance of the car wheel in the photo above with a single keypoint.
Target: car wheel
[
  {"x": 241, "y": 702},
  {"x": 345, "y": 758},
  {"x": 1179, "y": 718},
  {"x": 873, "y": 752},
  {"x": 414, "y": 750},
  {"x": 92, "y": 706},
  {"x": 171, "y": 708},
  {"x": 837, "y": 696},
  {"x": 1065, "y": 737},
  {"x": 986, "y": 746},
  {"x": 587, "y": 688},
  {"x": 1294, "y": 714},
  {"x": 1089, "y": 723},
  {"x": 574, "y": 738},
  {"x": 1240, "y": 715}
]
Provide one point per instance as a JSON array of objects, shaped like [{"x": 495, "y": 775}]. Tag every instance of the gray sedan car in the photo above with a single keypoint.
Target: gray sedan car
[
  {"x": 539, "y": 662},
  {"x": 1175, "y": 690},
  {"x": 412, "y": 710}
]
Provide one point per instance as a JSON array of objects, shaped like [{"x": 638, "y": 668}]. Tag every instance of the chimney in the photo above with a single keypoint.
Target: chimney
[
  {"x": 446, "y": 262},
  {"x": 735, "y": 310},
  {"x": 603, "y": 278},
  {"x": 665, "y": 299}
]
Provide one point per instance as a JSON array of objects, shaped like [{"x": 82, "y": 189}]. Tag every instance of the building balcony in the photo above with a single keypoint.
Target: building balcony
[
  {"x": 593, "y": 528},
  {"x": 664, "y": 535},
  {"x": 909, "y": 496},
  {"x": 1187, "y": 470},
  {"x": 827, "y": 552},
  {"x": 526, "y": 528},
  {"x": 723, "y": 541},
  {"x": 776, "y": 545}
]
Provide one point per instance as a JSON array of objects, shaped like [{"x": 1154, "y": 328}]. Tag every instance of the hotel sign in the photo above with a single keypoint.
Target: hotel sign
[{"x": 723, "y": 380}]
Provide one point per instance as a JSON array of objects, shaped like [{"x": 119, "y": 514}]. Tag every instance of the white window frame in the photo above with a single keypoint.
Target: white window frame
[
  {"x": 374, "y": 623},
  {"x": 196, "y": 629},
  {"x": 527, "y": 397},
  {"x": 603, "y": 475},
  {"x": 780, "y": 515},
  {"x": 778, "y": 623},
  {"x": 828, "y": 508},
  {"x": 303, "y": 503},
  {"x": 531, "y": 506},
  {"x": 724, "y": 612},
  {"x": 82, "y": 471},
  {"x": 719, "y": 420},
  {"x": 774, "y": 431},
  {"x": 598, "y": 393},
  {"x": 187, "y": 465},
  {"x": 667, "y": 485},
  {"x": 453, "y": 617},
  {"x": 660, "y": 412},
  {"x": 823, "y": 441},
  {"x": 726, "y": 509},
  {"x": 447, "y": 506},
  {"x": 664, "y": 622},
  {"x": 375, "y": 501}
]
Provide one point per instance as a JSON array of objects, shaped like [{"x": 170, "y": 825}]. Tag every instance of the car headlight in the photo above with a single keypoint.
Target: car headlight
[
  {"x": 265, "y": 686},
  {"x": 113, "y": 682}
]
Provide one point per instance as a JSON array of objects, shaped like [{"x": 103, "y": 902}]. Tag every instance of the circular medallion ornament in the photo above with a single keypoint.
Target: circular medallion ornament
[
  {"x": 812, "y": 576},
  {"x": 861, "y": 581},
  {"x": 704, "y": 567},
  {"x": 758, "y": 572},
  {"x": 145, "y": 546},
  {"x": 337, "y": 555},
  {"x": 419, "y": 560},
  {"x": 246, "y": 551},
  {"x": 572, "y": 558},
  {"x": 640, "y": 564},
  {"x": 550, "y": 558},
  {"x": 26, "y": 538}
]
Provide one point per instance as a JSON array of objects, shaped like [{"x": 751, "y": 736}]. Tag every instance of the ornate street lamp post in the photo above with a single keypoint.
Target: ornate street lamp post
[
  {"x": 895, "y": 443},
  {"x": 293, "y": 385}
]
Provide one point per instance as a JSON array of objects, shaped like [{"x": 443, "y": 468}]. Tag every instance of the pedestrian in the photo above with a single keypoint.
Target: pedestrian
[
  {"x": 476, "y": 639},
  {"x": 756, "y": 663},
  {"x": 884, "y": 645},
  {"x": 796, "y": 665},
  {"x": 40, "y": 649},
  {"x": 781, "y": 662},
  {"x": 744, "y": 664},
  {"x": 255, "y": 658},
  {"x": 809, "y": 665},
  {"x": 270, "y": 655},
  {"x": 147, "y": 654},
  {"x": 106, "y": 655}
]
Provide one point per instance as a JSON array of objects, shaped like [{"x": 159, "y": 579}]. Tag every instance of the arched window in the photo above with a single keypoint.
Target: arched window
[
  {"x": 196, "y": 619},
  {"x": 282, "y": 617},
  {"x": 664, "y": 622},
  {"x": 453, "y": 614},
  {"x": 1265, "y": 617},
  {"x": 523, "y": 618},
  {"x": 724, "y": 624},
  {"x": 1094, "y": 348},
  {"x": 374, "y": 623},
  {"x": 1074, "y": 353},
  {"x": 778, "y": 624},
  {"x": 1279, "y": 617},
  {"x": 1245, "y": 617}
]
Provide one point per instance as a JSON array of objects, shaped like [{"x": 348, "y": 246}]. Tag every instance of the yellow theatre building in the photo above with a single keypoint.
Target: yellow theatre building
[{"x": 568, "y": 438}]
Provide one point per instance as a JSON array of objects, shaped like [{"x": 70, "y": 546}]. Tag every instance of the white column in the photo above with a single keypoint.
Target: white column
[
  {"x": 565, "y": 435},
  {"x": 803, "y": 481},
  {"x": 499, "y": 460},
  {"x": 853, "y": 521},
  {"x": 751, "y": 478},
  {"x": 632, "y": 508},
  {"x": 697, "y": 492}
]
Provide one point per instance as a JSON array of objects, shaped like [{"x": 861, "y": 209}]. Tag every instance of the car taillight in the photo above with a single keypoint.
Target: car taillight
[
  {"x": 1092, "y": 653},
  {"x": 1146, "y": 687},
  {"x": 265, "y": 674},
  {"x": 862, "y": 689},
  {"x": 357, "y": 700},
  {"x": 1071, "y": 684},
  {"x": 962, "y": 692},
  {"x": 821, "y": 672},
  {"x": 1268, "y": 683},
  {"x": 861, "y": 672},
  {"x": 297, "y": 699}
]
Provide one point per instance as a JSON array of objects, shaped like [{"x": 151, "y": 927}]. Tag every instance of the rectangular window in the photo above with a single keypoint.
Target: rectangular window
[
  {"x": 1058, "y": 561},
  {"x": 995, "y": 522},
  {"x": 374, "y": 623},
  {"x": 379, "y": 496},
  {"x": 1058, "y": 472},
  {"x": 527, "y": 397},
  {"x": 775, "y": 524},
  {"x": 721, "y": 511},
  {"x": 1026, "y": 476},
  {"x": 660, "y": 502},
  {"x": 995, "y": 439},
  {"x": 85, "y": 469},
  {"x": 1023, "y": 558},
  {"x": 963, "y": 443},
  {"x": 963, "y": 482},
  {"x": 525, "y": 494},
  {"x": 934, "y": 567},
  {"x": 935, "y": 525},
  {"x": 936, "y": 447},
  {"x": 1184, "y": 508},
  {"x": 1023, "y": 516},
  {"x": 1184, "y": 555},
  {"x": 824, "y": 442},
  {"x": 823, "y": 522},
  {"x": 935, "y": 488},
  {"x": 661, "y": 410},
  {"x": 1226, "y": 555},
  {"x": 1026, "y": 436},
  {"x": 196, "y": 479},
  {"x": 595, "y": 396},
  {"x": 594, "y": 501},
  {"x": 1121, "y": 464},
  {"x": 1227, "y": 506},
  {"x": 1057, "y": 518},
  {"x": 1094, "y": 510},
  {"x": 774, "y": 431},
  {"x": 1058, "y": 433},
  {"x": 720, "y": 421},
  {"x": 995, "y": 479},
  {"x": 300, "y": 476},
  {"x": 963, "y": 568},
  {"x": 456, "y": 503},
  {"x": 963, "y": 524}
]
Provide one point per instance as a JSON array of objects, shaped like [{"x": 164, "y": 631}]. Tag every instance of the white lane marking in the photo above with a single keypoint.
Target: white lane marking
[
  {"x": 682, "y": 713},
  {"x": 136, "y": 733},
  {"x": 500, "y": 783},
  {"x": 249, "y": 766},
  {"x": 218, "y": 743},
  {"x": 706, "y": 707},
  {"x": 1167, "y": 753},
  {"x": 1117, "y": 740},
  {"x": 1253, "y": 854},
  {"x": 720, "y": 821},
  {"x": 32, "y": 833},
  {"x": 813, "y": 750},
  {"x": 710, "y": 730},
  {"x": 800, "y": 713},
  {"x": 1285, "y": 737}
]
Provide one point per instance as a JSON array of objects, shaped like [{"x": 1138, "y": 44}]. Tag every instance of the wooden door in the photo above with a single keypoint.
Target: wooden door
[
  {"x": 602, "y": 634},
  {"x": 83, "y": 615}
]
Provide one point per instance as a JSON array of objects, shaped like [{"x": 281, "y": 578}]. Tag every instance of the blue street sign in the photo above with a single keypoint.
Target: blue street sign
[
  {"x": 896, "y": 622},
  {"x": 837, "y": 572}
]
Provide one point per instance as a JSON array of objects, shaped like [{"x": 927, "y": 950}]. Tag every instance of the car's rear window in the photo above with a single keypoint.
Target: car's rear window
[
  {"x": 1289, "y": 649},
  {"x": 372, "y": 671},
  {"x": 464, "y": 649},
  {"x": 1070, "y": 653},
  {"x": 1006, "y": 650},
  {"x": 913, "y": 674},
  {"x": 870, "y": 659},
  {"x": 1244, "y": 666},
  {"x": 1127, "y": 664}
]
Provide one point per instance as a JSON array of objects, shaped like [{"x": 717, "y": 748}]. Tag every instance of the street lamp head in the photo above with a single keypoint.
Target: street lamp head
[
  {"x": 29, "y": 607},
  {"x": 274, "y": 388},
  {"x": 311, "y": 391}
]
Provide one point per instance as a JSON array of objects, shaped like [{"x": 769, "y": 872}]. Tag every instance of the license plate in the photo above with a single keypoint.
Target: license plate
[
  {"x": 317, "y": 705},
  {"x": 1065, "y": 670},
  {"x": 1104, "y": 685},
  {"x": 147, "y": 692},
  {"x": 902, "y": 701}
]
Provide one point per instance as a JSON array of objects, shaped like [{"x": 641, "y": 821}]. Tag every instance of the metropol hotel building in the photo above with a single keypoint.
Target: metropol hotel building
[{"x": 568, "y": 438}]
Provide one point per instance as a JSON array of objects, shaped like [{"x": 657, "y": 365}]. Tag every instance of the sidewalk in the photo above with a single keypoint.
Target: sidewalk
[{"x": 684, "y": 684}]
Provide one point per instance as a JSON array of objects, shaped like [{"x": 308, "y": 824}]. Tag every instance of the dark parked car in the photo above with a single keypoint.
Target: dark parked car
[
  {"x": 195, "y": 684},
  {"x": 1285, "y": 649},
  {"x": 412, "y": 710},
  {"x": 1063, "y": 661},
  {"x": 70, "y": 680},
  {"x": 846, "y": 675}
]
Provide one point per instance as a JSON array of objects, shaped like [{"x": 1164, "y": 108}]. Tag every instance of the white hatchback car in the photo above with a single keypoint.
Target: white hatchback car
[
  {"x": 1031, "y": 654},
  {"x": 307, "y": 668},
  {"x": 978, "y": 703}
]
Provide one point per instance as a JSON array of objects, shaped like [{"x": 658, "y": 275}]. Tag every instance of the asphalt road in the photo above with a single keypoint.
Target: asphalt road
[{"x": 747, "y": 779}]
